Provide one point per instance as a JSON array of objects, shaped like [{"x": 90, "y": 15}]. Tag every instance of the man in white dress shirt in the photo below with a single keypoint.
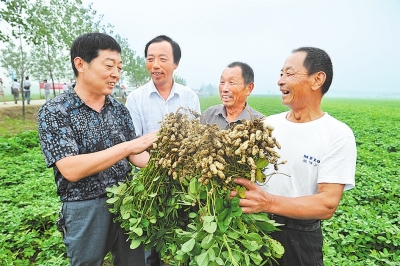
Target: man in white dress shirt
[{"x": 160, "y": 96}]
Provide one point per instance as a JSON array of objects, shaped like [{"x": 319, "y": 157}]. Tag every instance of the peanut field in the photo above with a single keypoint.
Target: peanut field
[{"x": 365, "y": 229}]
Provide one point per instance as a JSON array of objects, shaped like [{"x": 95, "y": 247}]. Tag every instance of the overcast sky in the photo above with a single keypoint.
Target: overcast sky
[{"x": 361, "y": 36}]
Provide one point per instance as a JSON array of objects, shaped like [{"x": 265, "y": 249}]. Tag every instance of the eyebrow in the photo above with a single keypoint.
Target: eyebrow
[{"x": 111, "y": 59}]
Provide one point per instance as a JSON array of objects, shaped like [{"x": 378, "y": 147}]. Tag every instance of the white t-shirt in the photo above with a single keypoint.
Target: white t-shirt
[
  {"x": 15, "y": 85},
  {"x": 320, "y": 151},
  {"x": 27, "y": 82}
]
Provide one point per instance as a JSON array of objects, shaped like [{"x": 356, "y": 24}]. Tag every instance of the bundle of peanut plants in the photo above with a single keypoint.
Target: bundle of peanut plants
[{"x": 180, "y": 202}]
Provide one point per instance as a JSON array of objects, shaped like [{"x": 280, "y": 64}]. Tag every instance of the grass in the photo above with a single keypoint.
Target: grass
[{"x": 365, "y": 229}]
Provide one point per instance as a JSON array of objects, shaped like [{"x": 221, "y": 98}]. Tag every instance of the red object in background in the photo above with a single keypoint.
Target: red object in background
[{"x": 57, "y": 86}]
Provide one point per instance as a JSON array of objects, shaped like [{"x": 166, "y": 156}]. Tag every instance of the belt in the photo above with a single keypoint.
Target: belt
[{"x": 300, "y": 225}]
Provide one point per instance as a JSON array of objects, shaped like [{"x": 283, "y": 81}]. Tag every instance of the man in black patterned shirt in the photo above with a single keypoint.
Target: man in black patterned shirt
[{"x": 89, "y": 139}]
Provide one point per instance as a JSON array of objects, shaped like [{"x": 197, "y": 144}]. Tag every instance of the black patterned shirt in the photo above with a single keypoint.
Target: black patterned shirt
[{"x": 67, "y": 127}]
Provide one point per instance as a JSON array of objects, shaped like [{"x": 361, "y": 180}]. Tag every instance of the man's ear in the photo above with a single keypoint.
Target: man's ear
[
  {"x": 318, "y": 79},
  {"x": 249, "y": 88},
  {"x": 79, "y": 63}
]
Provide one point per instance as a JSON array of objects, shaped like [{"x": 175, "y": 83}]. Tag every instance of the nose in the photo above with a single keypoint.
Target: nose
[
  {"x": 224, "y": 88},
  {"x": 156, "y": 63},
  {"x": 282, "y": 80},
  {"x": 116, "y": 73}
]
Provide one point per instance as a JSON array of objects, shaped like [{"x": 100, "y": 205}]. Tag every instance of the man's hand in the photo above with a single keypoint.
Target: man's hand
[
  {"x": 140, "y": 144},
  {"x": 256, "y": 199}
]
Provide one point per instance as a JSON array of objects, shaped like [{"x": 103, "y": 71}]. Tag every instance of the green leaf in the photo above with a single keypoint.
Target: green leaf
[
  {"x": 135, "y": 243},
  {"x": 210, "y": 227},
  {"x": 262, "y": 163},
  {"x": 277, "y": 247},
  {"x": 193, "y": 191},
  {"x": 202, "y": 259},
  {"x": 112, "y": 200},
  {"x": 127, "y": 200},
  {"x": 138, "y": 231},
  {"x": 207, "y": 241},
  {"x": 188, "y": 245}
]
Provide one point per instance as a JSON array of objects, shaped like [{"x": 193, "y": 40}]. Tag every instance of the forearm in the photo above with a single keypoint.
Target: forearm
[
  {"x": 319, "y": 206},
  {"x": 77, "y": 167},
  {"x": 140, "y": 160}
]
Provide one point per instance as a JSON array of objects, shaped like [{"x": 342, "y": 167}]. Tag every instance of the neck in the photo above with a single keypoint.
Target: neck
[
  {"x": 232, "y": 113},
  {"x": 95, "y": 101},
  {"x": 303, "y": 116},
  {"x": 164, "y": 89}
]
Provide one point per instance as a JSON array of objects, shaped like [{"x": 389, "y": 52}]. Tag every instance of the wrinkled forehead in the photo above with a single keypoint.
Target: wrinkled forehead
[
  {"x": 232, "y": 73},
  {"x": 295, "y": 61}
]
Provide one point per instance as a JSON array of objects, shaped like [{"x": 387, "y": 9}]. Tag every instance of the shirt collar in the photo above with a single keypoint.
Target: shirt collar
[
  {"x": 153, "y": 89},
  {"x": 243, "y": 115}
]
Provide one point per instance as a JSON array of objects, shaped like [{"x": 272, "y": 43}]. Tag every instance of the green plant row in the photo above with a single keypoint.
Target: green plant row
[{"x": 364, "y": 231}]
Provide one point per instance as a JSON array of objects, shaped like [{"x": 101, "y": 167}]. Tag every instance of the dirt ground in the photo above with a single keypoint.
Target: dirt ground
[{"x": 15, "y": 112}]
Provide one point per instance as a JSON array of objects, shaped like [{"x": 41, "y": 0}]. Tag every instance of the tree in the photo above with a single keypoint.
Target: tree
[
  {"x": 179, "y": 79},
  {"x": 134, "y": 69},
  {"x": 208, "y": 90},
  {"x": 50, "y": 26}
]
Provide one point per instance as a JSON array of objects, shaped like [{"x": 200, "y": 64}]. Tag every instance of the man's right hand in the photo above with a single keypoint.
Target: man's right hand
[{"x": 140, "y": 144}]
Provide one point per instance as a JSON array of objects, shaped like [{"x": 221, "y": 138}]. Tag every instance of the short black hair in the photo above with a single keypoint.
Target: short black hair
[
  {"x": 88, "y": 45},
  {"x": 317, "y": 60},
  {"x": 176, "y": 49},
  {"x": 247, "y": 71}
]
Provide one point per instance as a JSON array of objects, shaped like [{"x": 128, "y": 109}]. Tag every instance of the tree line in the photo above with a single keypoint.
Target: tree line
[{"x": 41, "y": 34}]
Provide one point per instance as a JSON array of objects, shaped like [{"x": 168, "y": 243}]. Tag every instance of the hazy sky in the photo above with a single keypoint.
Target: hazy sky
[{"x": 362, "y": 37}]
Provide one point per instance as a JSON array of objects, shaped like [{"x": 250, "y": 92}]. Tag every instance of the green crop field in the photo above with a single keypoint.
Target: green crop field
[{"x": 364, "y": 231}]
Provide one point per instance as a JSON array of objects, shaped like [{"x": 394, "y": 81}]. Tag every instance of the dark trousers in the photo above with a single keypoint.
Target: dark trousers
[
  {"x": 91, "y": 234},
  {"x": 302, "y": 240},
  {"x": 27, "y": 96},
  {"x": 152, "y": 258}
]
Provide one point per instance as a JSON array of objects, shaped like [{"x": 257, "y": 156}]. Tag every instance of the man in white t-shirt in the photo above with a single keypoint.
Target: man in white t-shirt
[
  {"x": 27, "y": 90},
  {"x": 15, "y": 88},
  {"x": 46, "y": 90},
  {"x": 321, "y": 159}
]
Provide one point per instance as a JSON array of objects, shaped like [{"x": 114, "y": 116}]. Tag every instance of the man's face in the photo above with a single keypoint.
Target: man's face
[
  {"x": 103, "y": 73},
  {"x": 160, "y": 62},
  {"x": 232, "y": 91},
  {"x": 294, "y": 82}
]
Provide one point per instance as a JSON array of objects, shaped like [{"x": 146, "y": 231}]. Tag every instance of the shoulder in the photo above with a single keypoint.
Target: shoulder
[
  {"x": 336, "y": 125},
  {"x": 255, "y": 113},
  {"x": 276, "y": 117},
  {"x": 213, "y": 109}
]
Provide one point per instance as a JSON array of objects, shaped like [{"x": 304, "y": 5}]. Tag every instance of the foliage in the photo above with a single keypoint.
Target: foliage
[
  {"x": 134, "y": 69},
  {"x": 11, "y": 59},
  {"x": 364, "y": 230},
  {"x": 180, "y": 205},
  {"x": 208, "y": 90},
  {"x": 49, "y": 28},
  {"x": 179, "y": 79}
]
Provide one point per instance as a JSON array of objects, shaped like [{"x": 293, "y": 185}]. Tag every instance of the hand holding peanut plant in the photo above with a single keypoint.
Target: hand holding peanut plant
[{"x": 180, "y": 204}]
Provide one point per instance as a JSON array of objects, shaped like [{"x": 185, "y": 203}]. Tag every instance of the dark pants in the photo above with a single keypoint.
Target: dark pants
[
  {"x": 152, "y": 258},
  {"x": 302, "y": 240},
  {"x": 27, "y": 96},
  {"x": 91, "y": 234}
]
